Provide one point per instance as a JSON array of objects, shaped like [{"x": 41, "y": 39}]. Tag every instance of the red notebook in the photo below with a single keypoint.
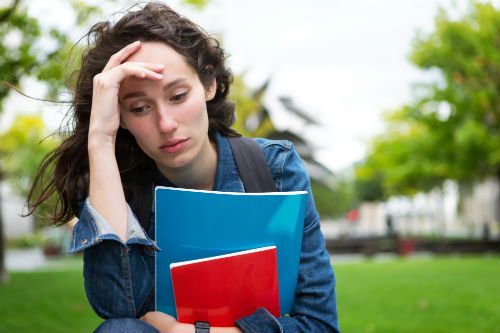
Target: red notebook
[{"x": 223, "y": 289}]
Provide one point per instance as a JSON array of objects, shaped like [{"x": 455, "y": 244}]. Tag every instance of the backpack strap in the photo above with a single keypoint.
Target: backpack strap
[{"x": 252, "y": 165}]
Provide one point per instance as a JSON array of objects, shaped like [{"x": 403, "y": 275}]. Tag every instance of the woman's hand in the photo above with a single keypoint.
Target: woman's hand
[
  {"x": 165, "y": 323},
  {"x": 105, "y": 113}
]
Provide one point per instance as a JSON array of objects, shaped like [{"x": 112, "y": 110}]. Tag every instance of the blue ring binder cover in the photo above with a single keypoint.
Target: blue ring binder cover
[{"x": 192, "y": 224}]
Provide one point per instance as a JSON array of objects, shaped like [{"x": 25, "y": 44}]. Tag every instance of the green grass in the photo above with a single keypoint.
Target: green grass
[
  {"x": 46, "y": 301},
  {"x": 443, "y": 294}
]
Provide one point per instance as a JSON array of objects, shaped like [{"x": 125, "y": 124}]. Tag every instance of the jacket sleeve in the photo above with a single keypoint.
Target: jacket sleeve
[
  {"x": 315, "y": 308},
  {"x": 112, "y": 267}
]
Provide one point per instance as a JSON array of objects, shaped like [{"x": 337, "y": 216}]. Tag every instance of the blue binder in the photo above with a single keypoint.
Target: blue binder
[{"x": 192, "y": 224}]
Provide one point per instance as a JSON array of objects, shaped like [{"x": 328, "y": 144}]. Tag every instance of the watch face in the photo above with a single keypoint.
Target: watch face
[{"x": 202, "y": 327}]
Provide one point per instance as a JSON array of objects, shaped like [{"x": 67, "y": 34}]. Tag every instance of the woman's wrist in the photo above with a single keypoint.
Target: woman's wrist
[
  {"x": 183, "y": 328},
  {"x": 189, "y": 328},
  {"x": 99, "y": 140}
]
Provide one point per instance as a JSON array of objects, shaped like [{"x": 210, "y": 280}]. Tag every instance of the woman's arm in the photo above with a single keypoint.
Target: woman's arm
[
  {"x": 105, "y": 189},
  {"x": 118, "y": 280}
]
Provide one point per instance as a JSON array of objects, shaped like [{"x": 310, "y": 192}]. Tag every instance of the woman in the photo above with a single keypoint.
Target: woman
[{"x": 150, "y": 109}]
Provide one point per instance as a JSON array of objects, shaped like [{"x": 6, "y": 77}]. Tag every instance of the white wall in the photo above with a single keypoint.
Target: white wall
[
  {"x": 12, "y": 207},
  {"x": 440, "y": 212}
]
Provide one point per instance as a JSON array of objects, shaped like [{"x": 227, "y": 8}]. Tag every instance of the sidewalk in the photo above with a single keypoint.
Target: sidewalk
[
  {"x": 33, "y": 259},
  {"x": 25, "y": 260}
]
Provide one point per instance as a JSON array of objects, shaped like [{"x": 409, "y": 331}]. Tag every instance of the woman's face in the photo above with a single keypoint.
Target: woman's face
[{"x": 168, "y": 118}]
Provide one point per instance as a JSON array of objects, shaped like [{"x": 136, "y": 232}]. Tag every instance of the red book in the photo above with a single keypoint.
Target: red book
[{"x": 224, "y": 288}]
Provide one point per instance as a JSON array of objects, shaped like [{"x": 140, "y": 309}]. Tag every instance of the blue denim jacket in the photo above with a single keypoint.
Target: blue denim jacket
[{"x": 119, "y": 278}]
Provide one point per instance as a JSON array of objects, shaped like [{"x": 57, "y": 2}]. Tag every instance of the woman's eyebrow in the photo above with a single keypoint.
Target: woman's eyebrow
[
  {"x": 133, "y": 94},
  {"x": 168, "y": 86},
  {"x": 174, "y": 83}
]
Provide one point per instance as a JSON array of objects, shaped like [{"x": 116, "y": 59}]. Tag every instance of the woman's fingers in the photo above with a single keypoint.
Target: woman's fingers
[
  {"x": 120, "y": 56},
  {"x": 141, "y": 71},
  {"x": 114, "y": 77},
  {"x": 153, "y": 67}
]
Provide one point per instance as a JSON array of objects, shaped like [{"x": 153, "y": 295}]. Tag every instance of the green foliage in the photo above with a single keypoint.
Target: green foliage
[
  {"x": 22, "y": 149},
  {"x": 24, "y": 52},
  {"x": 27, "y": 241},
  {"x": 369, "y": 188},
  {"x": 16, "y": 62},
  {"x": 198, "y": 4},
  {"x": 335, "y": 201},
  {"x": 252, "y": 119},
  {"x": 452, "y": 129},
  {"x": 466, "y": 52}
]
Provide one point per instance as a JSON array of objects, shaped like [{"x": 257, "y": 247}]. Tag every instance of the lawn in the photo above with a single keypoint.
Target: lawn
[
  {"x": 46, "y": 301},
  {"x": 443, "y": 294}
]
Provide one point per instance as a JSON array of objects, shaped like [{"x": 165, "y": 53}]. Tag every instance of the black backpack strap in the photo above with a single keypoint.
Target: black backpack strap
[{"x": 252, "y": 165}]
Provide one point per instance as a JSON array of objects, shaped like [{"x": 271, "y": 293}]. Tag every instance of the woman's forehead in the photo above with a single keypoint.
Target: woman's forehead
[
  {"x": 158, "y": 53},
  {"x": 175, "y": 70}
]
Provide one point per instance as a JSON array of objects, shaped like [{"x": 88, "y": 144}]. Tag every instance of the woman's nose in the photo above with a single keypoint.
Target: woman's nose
[{"x": 166, "y": 122}]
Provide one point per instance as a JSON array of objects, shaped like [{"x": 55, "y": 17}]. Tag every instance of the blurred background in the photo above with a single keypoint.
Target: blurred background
[{"x": 393, "y": 105}]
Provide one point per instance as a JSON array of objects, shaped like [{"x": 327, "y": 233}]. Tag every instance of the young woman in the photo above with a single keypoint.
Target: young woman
[{"x": 150, "y": 109}]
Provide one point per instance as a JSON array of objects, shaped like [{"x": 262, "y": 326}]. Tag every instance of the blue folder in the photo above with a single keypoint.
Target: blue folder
[{"x": 192, "y": 224}]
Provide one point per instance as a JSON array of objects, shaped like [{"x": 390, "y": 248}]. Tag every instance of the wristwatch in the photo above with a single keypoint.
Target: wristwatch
[{"x": 201, "y": 327}]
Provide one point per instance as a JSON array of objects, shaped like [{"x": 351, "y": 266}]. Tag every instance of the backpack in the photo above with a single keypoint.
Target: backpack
[{"x": 252, "y": 165}]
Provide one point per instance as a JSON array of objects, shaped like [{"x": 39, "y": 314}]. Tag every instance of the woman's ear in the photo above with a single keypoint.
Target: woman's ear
[{"x": 211, "y": 90}]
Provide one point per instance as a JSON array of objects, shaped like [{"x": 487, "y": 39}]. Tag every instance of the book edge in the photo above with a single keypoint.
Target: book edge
[
  {"x": 157, "y": 188},
  {"x": 228, "y": 255}
]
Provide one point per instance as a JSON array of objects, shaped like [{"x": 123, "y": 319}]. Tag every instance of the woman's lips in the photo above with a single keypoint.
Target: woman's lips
[{"x": 173, "y": 146}]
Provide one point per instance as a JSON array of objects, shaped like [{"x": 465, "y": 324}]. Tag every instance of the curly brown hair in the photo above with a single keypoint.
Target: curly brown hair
[{"x": 65, "y": 170}]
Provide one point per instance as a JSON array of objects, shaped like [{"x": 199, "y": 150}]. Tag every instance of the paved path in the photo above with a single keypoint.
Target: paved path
[{"x": 25, "y": 260}]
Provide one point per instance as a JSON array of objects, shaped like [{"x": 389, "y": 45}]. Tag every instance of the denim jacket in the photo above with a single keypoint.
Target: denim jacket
[{"x": 119, "y": 278}]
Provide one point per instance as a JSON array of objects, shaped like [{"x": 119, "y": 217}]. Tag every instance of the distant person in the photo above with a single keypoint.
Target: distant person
[
  {"x": 486, "y": 231},
  {"x": 150, "y": 108},
  {"x": 389, "y": 226}
]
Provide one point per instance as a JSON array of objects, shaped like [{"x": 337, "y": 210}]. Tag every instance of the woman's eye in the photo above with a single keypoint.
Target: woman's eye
[
  {"x": 179, "y": 97},
  {"x": 139, "y": 109}
]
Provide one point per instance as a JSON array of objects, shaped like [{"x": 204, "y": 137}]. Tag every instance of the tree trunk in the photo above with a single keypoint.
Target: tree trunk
[{"x": 3, "y": 271}]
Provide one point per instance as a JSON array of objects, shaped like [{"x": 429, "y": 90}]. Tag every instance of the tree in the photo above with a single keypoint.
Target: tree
[
  {"x": 21, "y": 56},
  {"x": 404, "y": 160},
  {"x": 466, "y": 52},
  {"x": 452, "y": 128}
]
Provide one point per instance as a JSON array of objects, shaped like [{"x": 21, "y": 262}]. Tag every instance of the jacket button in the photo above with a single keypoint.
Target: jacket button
[{"x": 83, "y": 241}]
